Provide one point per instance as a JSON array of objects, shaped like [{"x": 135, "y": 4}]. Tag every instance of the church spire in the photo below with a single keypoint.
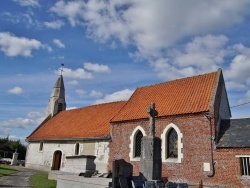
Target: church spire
[{"x": 57, "y": 98}]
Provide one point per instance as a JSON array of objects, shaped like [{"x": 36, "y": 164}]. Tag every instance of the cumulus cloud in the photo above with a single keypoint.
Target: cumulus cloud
[
  {"x": 14, "y": 46},
  {"x": 96, "y": 67},
  {"x": 134, "y": 22},
  {"x": 31, "y": 119},
  {"x": 95, "y": 94},
  {"x": 75, "y": 74},
  {"x": 58, "y": 43},
  {"x": 73, "y": 82},
  {"x": 54, "y": 24},
  {"x": 16, "y": 90},
  {"x": 27, "y": 3},
  {"x": 117, "y": 96},
  {"x": 81, "y": 92},
  {"x": 71, "y": 10}
]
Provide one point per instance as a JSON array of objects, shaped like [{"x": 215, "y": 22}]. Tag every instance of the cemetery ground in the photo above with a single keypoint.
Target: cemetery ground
[{"x": 17, "y": 175}]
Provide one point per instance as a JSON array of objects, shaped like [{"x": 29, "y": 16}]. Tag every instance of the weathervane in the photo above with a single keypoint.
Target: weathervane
[{"x": 61, "y": 68}]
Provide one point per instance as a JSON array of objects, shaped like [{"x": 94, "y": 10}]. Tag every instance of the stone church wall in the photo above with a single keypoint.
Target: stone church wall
[
  {"x": 43, "y": 160},
  {"x": 198, "y": 154}
]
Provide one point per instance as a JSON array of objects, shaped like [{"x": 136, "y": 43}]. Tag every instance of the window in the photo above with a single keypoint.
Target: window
[
  {"x": 245, "y": 166},
  {"x": 172, "y": 144},
  {"x": 60, "y": 107},
  {"x": 77, "y": 149},
  {"x": 138, "y": 142},
  {"x": 41, "y": 146},
  {"x": 135, "y": 143}
]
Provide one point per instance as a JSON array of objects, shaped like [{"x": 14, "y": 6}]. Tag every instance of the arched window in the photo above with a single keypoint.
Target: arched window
[
  {"x": 138, "y": 142},
  {"x": 41, "y": 146},
  {"x": 60, "y": 107},
  {"x": 172, "y": 144},
  {"x": 135, "y": 143},
  {"x": 77, "y": 149}
]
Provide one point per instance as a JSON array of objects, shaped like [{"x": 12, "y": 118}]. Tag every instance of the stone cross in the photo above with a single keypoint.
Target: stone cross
[{"x": 153, "y": 113}]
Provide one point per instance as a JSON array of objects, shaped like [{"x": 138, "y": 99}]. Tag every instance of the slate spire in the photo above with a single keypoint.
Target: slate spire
[{"x": 57, "y": 98}]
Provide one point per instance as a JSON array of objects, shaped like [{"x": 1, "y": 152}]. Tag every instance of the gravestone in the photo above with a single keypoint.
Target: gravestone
[
  {"x": 14, "y": 158},
  {"x": 150, "y": 165},
  {"x": 138, "y": 182},
  {"x": 121, "y": 173}
]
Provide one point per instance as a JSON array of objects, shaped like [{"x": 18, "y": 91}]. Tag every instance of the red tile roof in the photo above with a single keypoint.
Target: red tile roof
[
  {"x": 182, "y": 96},
  {"x": 86, "y": 122}
]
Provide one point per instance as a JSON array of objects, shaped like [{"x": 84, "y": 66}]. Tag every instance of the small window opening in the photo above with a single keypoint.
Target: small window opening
[
  {"x": 60, "y": 107},
  {"x": 41, "y": 146},
  {"x": 77, "y": 149},
  {"x": 172, "y": 144},
  {"x": 138, "y": 143},
  {"x": 245, "y": 166}
]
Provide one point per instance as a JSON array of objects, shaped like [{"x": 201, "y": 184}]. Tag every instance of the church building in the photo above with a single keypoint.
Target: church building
[{"x": 200, "y": 144}]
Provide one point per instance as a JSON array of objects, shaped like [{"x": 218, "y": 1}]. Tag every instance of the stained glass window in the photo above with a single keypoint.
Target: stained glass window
[
  {"x": 172, "y": 144},
  {"x": 138, "y": 140}
]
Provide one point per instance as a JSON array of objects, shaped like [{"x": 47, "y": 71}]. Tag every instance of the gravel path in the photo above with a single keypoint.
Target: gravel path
[{"x": 20, "y": 179}]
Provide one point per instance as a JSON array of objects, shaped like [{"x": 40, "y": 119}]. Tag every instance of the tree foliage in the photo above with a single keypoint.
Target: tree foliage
[{"x": 8, "y": 147}]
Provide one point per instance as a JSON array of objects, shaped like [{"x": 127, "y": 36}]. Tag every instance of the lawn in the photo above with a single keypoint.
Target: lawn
[
  {"x": 6, "y": 170},
  {"x": 41, "y": 180}
]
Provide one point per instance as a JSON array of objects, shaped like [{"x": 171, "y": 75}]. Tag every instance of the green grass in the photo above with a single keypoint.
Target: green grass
[
  {"x": 5, "y": 170},
  {"x": 41, "y": 180}
]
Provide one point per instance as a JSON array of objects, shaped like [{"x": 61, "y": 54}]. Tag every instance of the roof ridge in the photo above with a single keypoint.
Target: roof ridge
[
  {"x": 178, "y": 79},
  {"x": 93, "y": 105}
]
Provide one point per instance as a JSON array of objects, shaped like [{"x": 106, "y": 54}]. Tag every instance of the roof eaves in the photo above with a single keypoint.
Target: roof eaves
[{"x": 107, "y": 137}]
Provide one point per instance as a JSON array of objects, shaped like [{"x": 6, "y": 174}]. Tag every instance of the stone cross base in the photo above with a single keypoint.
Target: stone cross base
[{"x": 150, "y": 165}]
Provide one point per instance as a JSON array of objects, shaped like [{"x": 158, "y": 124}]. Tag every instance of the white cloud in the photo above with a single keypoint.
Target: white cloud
[
  {"x": 31, "y": 119},
  {"x": 81, "y": 92},
  {"x": 95, "y": 94},
  {"x": 54, "y": 24},
  {"x": 117, "y": 96},
  {"x": 96, "y": 67},
  {"x": 239, "y": 68},
  {"x": 72, "y": 10},
  {"x": 134, "y": 22},
  {"x": 154, "y": 28},
  {"x": 27, "y": 3},
  {"x": 75, "y": 74},
  {"x": 230, "y": 85},
  {"x": 58, "y": 43},
  {"x": 16, "y": 90},
  {"x": 14, "y": 46},
  {"x": 73, "y": 82}
]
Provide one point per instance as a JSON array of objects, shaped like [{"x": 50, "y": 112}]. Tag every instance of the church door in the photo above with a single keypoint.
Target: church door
[{"x": 57, "y": 160}]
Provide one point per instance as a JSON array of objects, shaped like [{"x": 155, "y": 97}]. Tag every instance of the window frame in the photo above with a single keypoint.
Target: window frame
[
  {"x": 133, "y": 141},
  {"x": 244, "y": 165}
]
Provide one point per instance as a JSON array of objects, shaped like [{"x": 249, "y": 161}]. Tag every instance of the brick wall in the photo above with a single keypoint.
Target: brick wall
[{"x": 196, "y": 130}]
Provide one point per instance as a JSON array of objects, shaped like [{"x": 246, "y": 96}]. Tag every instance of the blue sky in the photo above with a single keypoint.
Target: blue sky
[{"x": 109, "y": 48}]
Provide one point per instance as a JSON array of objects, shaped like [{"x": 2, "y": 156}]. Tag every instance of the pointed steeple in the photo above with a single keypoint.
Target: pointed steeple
[{"x": 57, "y": 98}]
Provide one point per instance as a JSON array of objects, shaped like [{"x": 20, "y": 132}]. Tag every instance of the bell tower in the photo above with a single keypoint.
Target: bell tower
[{"x": 57, "y": 101}]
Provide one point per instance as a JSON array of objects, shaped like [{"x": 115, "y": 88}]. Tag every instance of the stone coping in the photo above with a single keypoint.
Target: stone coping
[{"x": 80, "y": 156}]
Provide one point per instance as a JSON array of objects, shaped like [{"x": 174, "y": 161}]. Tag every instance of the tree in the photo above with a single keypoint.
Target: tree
[{"x": 8, "y": 147}]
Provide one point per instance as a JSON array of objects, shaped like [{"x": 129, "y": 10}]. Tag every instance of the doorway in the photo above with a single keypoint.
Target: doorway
[{"x": 57, "y": 160}]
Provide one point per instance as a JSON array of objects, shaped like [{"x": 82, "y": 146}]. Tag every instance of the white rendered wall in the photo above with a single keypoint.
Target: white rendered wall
[{"x": 42, "y": 160}]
